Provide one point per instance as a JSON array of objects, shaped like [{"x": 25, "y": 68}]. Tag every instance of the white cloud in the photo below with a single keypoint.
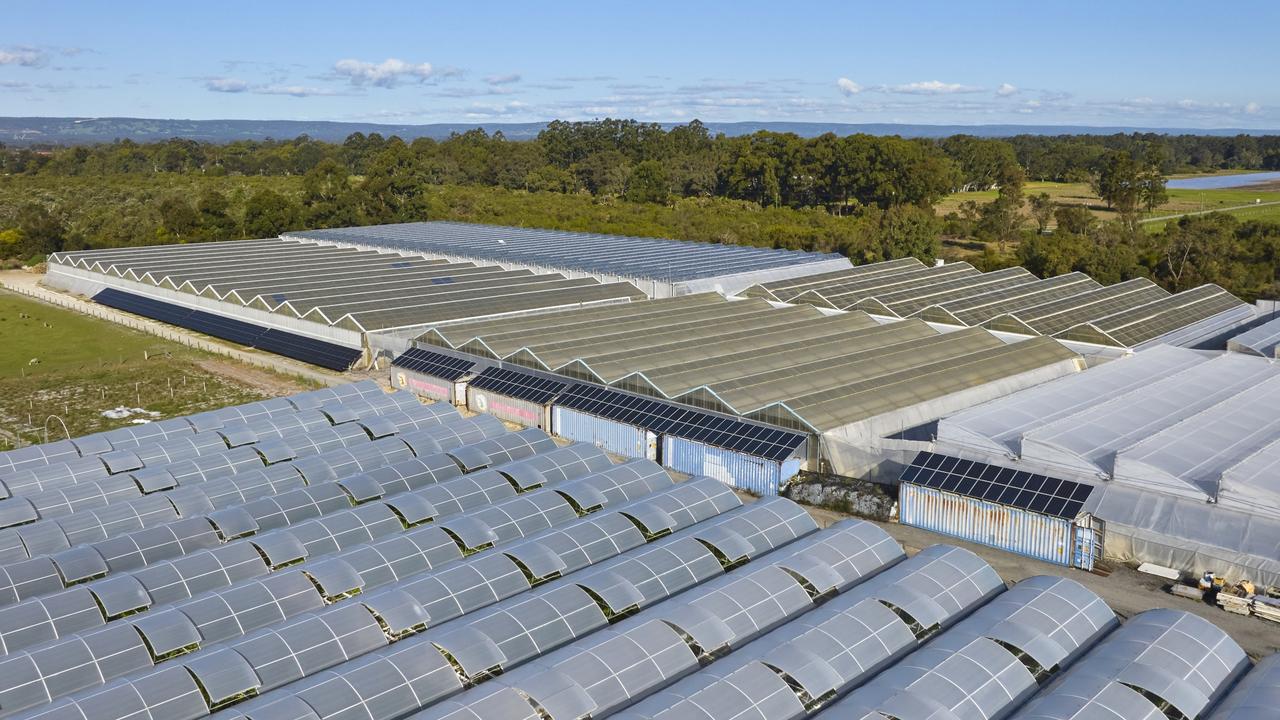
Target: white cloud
[
  {"x": 512, "y": 108},
  {"x": 1252, "y": 108},
  {"x": 848, "y": 87},
  {"x": 24, "y": 56},
  {"x": 1006, "y": 89},
  {"x": 386, "y": 74},
  {"x": 292, "y": 90},
  {"x": 226, "y": 85},
  {"x": 502, "y": 79},
  {"x": 236, "y": 85},
  {"x": 933, "y": 87}
]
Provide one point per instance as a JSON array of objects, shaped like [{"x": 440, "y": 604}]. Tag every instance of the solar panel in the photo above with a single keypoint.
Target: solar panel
[
  {"x": 993, "y": 483},
  {"x": 299, "y": 347},
  {"x": 519, "y": 385},
  {"x": 682, "y": 421},
  {"x": 446, "y": 367}
]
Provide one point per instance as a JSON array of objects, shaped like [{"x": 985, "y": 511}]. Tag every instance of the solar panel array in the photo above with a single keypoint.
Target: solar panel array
[
  {"x": 650, "y": 258},
  {"x": 1005, "y": 486},
  {"x": 445, "y": 367},
  {"x": 434, "y": 566},
  {"x": 292, "y": 345},
  {"x": 666, "y": 418},
  {"x": 519, "y": 384}
]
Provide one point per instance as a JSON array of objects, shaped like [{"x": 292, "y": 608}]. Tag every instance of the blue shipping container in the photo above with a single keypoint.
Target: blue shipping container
[
  {"x": 615, "y": 437},
  {"x": 1043, "y": 537},
  {"x": 745, "y": 472}
]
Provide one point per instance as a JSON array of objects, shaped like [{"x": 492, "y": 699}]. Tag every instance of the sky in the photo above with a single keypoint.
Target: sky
[{"x": 1166, "y": 63}]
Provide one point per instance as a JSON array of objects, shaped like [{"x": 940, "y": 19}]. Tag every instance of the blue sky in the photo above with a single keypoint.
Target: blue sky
[{"x": 1149, "y": 64}]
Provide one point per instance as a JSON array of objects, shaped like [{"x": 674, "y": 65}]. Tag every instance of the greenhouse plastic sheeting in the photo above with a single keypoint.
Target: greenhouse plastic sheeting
[{"x": 1184, "y": 534}]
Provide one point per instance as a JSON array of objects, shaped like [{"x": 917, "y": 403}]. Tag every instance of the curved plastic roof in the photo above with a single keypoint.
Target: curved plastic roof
[
  {"x": 993, "y": 660},
  {"x": 380, "y": 576},
  {"x": 1262, "y": 340},
  {"x": 1159, "y": 656},
  {"x": 1175, "y": 421},
  {"x": 829, "y": 650},
  {"x": 1257, "y": 695}
]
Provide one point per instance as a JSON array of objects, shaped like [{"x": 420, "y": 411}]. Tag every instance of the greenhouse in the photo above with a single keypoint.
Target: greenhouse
[
  {"x": 659, "y": 267},
  {"x": 1132, "y": 315},
  {"x": 1181, "y": 445},
  {"x": 844, "y": 379},
  {"x": 359, "y": 550}
]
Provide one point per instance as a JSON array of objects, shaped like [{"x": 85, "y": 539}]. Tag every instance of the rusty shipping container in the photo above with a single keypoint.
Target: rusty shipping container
[{"x": 1044, "y": 537}]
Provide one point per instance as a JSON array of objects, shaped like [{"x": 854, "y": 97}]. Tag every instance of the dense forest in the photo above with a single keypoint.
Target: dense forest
[{"x": 868, "y": 197}]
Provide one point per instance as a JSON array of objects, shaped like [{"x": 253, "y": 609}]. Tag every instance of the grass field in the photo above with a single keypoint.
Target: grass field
[
  {"x": 86, "y": 366},
  {"x": 1180, "y": 201}
]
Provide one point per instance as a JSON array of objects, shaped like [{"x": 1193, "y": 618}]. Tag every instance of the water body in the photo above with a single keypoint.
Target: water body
[{"x": 1218, "y": 182}]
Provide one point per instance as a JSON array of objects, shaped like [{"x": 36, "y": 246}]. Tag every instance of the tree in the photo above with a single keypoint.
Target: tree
[
  {"x": 215, "y": 222},
  {"x": 1074, "y": 219},
  {"x": 1001, "y": 219},
  {"x": 268, "y": 213},
  {"x": 1117, "y": 184},
  {"x": 910, "y": 231},
  {"x": 1041, "y": 209},
  {"x": 550, "y": 178},
  {"x": 1151, "y": 188},
  {"x": 648, "y": 183},
  {"x": 41, "y": 231},
  {"x": 603, "y": 173},
  {"x": 327, "y": 198},
  {"x": 178, "y": 218}
]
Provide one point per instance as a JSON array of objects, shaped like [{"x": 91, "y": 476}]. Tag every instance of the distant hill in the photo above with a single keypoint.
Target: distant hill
[{"x": 72, "y": 131}]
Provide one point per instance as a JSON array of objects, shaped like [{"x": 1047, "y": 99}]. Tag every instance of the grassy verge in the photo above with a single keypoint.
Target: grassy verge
[{"x": 54, "y": 362}]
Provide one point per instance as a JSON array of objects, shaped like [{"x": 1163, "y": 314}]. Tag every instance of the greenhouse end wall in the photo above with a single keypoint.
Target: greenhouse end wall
[
  {"x": 745, "y": 472},
  {"x": 1052, "y": 539}
]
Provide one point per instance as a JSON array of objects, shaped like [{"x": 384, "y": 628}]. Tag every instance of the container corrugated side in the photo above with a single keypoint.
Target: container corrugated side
[
  {"x": 615, "y": 437},
  {"x": 745, "y": 472},
  {"x": 424, "y": 385},
  {"x": 1007, "y": 528},
  {"x": 503, "y": 407}
]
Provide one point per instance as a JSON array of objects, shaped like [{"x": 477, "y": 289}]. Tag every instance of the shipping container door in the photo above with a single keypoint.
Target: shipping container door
[{"x": 1084, "y": 552}]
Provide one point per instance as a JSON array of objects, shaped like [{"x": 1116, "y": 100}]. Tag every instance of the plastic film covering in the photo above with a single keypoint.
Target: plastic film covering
[
  {"x": 633, "y": 658},
  {"x": 261, "y": 649},
  {"x": 1254, "y": 696},
  {"x": 998, "y": 426},
  {"x": 994, "y": 660},
  {"x": 830, "y": 650},
  {"x": 1261, "y": 340},
  {"x": 1158, "y": 657},
  {"x": 423, "y": 668},
  {"x": 268, "y": 601}
]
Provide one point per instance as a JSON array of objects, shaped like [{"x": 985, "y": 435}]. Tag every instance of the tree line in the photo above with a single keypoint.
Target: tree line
[{"x": 867, "y": 197}]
